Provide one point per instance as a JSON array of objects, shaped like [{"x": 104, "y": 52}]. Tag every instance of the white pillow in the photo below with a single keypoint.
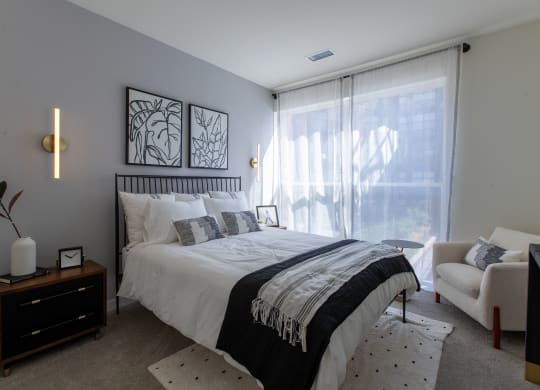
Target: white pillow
[
  {"x": 133, "y": 206},
  {"x": 159, "y": 215},
  {"x": 228, "y": 195},
  {"x": 216, "y": 206},
  {"x": 181, "y": 197}
]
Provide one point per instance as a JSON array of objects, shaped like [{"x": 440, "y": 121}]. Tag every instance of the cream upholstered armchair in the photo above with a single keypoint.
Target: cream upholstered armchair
[{"x": 496, "y": 297}]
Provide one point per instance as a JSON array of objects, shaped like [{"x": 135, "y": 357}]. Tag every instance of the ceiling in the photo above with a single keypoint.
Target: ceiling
[{"x": 267, "y": 41}]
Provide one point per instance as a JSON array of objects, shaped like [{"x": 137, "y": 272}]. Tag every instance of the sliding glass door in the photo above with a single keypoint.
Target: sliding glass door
[{"x": 370, "y": 157}]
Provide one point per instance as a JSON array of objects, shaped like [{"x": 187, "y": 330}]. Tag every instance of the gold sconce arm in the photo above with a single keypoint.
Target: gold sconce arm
[{"x": 47, "y": 143}]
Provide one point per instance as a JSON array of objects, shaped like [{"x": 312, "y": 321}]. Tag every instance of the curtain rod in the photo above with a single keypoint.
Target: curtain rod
[{"x": 465, "y": 47}]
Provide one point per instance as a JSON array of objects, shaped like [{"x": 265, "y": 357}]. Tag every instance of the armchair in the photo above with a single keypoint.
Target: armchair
[{"x": 496, "y": 297}]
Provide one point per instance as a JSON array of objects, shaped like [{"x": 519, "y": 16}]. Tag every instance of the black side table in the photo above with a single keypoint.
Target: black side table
[
  {"x": 403, "y": 244},
  {"x": 532, "y": 349}
]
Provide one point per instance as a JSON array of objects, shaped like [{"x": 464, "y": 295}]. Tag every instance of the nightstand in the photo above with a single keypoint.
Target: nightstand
[{"x": 41, "y": 313}]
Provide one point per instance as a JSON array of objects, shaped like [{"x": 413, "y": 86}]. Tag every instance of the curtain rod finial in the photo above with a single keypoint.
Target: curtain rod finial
[{"x": 466, "y": 47}]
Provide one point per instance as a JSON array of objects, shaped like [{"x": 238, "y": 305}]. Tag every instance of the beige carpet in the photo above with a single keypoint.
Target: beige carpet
[
  {"x": 135, "y": 339},
  {"x": 393, "y": 355}
]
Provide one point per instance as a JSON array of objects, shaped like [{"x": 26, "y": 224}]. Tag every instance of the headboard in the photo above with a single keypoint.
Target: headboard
[{"x": 152, "y": 184}]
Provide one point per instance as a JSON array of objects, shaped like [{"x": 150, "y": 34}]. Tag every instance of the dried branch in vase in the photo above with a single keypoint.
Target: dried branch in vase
[{"x": 7, "y": 211}]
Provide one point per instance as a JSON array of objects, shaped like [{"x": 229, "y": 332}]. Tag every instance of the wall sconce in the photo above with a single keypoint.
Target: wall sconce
[
  {"x": 54, "y": 143},
  {"x": 255, "y": 161}
]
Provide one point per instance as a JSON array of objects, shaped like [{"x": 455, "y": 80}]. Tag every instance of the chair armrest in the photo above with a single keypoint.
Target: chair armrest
[
  {"x": 450, "y": 252},
  {"x": 505, "y": 285}
]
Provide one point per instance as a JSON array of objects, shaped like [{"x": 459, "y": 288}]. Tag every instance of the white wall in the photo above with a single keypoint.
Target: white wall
[
  {"x": 497, "y": 171},
  {"x": 55, "y": 53}
]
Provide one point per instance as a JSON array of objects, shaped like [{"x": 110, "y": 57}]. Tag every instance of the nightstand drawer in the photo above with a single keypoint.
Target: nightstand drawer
[
  {"x": 43, "y": 315},
  {"x": 20, "y": 342}
]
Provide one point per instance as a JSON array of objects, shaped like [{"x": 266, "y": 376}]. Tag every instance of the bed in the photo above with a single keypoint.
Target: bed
[{"x": 188, "y": 287}]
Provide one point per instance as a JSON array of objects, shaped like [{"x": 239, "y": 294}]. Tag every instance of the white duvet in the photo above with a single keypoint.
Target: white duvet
[{"x": 188, "y": 288}]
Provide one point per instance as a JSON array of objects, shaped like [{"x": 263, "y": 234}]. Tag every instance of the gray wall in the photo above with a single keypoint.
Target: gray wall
[
  {"x": 496, "y": 173},
  {"x": 53, "y": 53}
]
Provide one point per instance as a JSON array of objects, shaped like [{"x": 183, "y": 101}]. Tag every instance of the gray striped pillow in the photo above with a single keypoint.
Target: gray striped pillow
[
  {"x": 197, "y": 230},
  {"x": 240, "y": 222}
]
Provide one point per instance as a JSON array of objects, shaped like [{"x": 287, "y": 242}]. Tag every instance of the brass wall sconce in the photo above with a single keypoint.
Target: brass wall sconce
[
  {"x": 54, "y": 143},
  {"x": 255, "y": 162}
]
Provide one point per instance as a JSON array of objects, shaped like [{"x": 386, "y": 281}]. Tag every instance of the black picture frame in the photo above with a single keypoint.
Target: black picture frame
[
  {"x": 198, "y": 146},
  {"x": 74, "y": 248},
  {"x": 142, "y": 106},
  {"x": 261, "y": 217}
]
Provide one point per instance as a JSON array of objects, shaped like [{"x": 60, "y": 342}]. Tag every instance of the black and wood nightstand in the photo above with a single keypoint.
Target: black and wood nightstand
[
  {"x": 532, "y": 349},
  {"x": 41, "y": 313}
]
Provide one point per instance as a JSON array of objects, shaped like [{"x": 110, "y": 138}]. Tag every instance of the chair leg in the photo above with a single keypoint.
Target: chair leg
[
  {"x": 437, "y": 297},
  {"x": 497, "y": 327}
]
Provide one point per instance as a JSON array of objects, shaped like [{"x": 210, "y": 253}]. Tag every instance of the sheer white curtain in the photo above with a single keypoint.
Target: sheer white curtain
[
  {"x": 309, "y": 158},
  {"x": 403, "y": 137},
  {"x": 370, "y": 157}
]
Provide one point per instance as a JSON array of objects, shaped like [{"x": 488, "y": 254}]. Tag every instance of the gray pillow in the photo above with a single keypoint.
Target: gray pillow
[
  {"x": 483, "y": 254},
  {"x": 196, "y": 230},
  {"x": 239, "y": 222}
]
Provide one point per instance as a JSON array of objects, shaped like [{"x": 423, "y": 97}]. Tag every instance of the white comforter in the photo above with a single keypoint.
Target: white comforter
[{"x": 188, "y": 288}]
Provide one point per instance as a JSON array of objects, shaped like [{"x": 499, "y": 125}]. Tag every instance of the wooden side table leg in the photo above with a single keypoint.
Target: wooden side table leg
[
  {"x": 437, "y": 297},
  {"x": 496, "y": 327},
  {"x": 6, "y": 371}
]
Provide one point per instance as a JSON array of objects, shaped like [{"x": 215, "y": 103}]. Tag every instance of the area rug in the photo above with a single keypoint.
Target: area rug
[{"x": 394, "y": 355}]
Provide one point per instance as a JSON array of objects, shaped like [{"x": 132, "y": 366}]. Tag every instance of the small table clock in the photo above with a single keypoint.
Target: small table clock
[{"x": 70, "y": 257}]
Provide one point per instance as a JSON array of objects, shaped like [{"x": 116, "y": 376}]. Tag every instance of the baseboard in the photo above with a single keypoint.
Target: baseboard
[{"x": 111, "y": 304}]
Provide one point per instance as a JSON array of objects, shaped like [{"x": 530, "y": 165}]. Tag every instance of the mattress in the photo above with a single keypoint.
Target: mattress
[{"x": 188, "y": 287}]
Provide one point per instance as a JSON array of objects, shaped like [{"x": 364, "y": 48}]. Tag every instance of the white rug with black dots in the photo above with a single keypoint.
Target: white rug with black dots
[{"x": 393, "y": 356}]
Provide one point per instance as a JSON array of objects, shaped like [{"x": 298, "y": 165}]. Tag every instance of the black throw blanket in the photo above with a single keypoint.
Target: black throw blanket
[{"x": 276, "y": 363}]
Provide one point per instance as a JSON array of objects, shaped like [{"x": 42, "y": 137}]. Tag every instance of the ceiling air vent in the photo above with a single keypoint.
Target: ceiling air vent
[{"x": 320, "y": 55}]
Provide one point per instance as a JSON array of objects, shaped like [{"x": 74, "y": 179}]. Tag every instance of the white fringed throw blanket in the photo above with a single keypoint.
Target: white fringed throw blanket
[{"x": 289, "y": 300}]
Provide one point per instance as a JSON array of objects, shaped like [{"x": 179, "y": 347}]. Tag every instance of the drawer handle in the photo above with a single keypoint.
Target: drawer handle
[
  {"x": 36, "y": 301},
  {"x": 39, "y": 331}
]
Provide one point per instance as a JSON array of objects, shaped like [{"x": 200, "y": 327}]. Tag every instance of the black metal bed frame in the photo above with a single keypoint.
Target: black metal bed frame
[{"x": 157, "y": 184}]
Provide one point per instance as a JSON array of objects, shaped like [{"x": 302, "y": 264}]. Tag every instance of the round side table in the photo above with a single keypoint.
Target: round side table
[{"x": 403, "y": 244}]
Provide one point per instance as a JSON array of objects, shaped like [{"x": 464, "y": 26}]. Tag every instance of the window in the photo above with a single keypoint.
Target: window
[{"x": 370, "y": 157}]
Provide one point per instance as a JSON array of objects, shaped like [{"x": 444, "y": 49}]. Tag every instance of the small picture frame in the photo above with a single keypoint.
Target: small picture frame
[
  {"x": 268, "y": 215},
  {"x": 70, "y": 257}
]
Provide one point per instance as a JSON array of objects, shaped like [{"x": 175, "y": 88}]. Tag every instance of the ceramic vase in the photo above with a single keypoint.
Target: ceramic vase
[{"x": 23, "y": 257}]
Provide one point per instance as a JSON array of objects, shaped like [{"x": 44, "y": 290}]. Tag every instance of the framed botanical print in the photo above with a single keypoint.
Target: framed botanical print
[
  {"x": 153, "y": 129},
  {"x": 208, "y": 138}
]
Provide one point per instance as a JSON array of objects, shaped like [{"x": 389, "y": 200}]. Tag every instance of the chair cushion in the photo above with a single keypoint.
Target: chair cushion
[
  {"x": 463, "y": 277},
  {"x": 513, "y": 239}
]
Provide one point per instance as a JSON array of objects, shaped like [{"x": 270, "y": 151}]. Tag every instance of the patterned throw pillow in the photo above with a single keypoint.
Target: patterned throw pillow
[
  {"x": 239, "y": 222},
  {"x": 196, "y": 230},
  {"x": 483, "y": 254}
]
